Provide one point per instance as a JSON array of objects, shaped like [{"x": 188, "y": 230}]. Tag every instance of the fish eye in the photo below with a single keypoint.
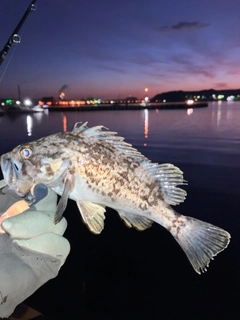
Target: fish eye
[{"x": 26, "y": 152}]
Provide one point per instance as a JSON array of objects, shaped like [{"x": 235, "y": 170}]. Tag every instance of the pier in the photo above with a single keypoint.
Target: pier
[{"x": 133, "y": 106}]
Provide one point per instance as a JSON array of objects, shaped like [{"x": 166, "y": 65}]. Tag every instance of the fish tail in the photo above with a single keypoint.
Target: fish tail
[{"x": 200, "y": 241}]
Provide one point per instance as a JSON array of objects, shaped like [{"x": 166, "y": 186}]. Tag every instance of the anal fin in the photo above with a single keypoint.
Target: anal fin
[
  {"x": 92, "y": 215},
  {"x": 139, "y": 223}
]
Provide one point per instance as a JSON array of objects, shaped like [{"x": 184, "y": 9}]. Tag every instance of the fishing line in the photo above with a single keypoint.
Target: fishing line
[{"x": 4, "y": 71}]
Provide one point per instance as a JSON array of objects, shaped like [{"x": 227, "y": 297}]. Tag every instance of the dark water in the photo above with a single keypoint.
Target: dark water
[{"x": 125, "y": 274}]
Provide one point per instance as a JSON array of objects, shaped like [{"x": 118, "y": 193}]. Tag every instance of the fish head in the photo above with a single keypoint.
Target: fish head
[{"x": 36, "y": 162}]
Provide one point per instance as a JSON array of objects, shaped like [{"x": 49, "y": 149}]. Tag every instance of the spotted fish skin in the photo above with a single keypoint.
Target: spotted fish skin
[{"x": 97, "y": 169}]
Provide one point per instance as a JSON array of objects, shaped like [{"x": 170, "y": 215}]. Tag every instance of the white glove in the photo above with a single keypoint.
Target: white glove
[{"x": 32, "y": 248}]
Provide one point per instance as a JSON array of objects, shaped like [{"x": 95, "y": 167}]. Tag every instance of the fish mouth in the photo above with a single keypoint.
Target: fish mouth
[
  {"x": 11, "y": 173},
  {"x": 7, "y": 169}
]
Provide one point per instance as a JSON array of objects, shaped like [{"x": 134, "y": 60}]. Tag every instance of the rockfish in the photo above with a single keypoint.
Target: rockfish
[{"x": 97, "y": 169}]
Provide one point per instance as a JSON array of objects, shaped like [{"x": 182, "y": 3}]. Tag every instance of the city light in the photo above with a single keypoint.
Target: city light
[
  {"x": 27, "y": 102},
  {"x": 189, "y": 101}
]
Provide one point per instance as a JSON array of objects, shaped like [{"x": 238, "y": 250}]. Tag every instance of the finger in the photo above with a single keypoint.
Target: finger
[
  {"x": 7, "y": 198},
  {"x": 32, "y": 223},
  {"x": 2, "y": 183},
  {"x": 49, "y": 243},
  {"x": 15, "y": 209}
]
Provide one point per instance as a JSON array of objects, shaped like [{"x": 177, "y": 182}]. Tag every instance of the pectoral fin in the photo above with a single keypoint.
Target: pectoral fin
[
  {"x": 59, "y": 175},
  {"x": 139, "y": 223},
  {"x": 93, "y": 215},
  {"x": 62, "y": 204}
]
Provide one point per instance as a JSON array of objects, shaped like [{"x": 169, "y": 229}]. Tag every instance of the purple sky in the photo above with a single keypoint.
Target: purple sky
[{"x": 113, "y": 49}]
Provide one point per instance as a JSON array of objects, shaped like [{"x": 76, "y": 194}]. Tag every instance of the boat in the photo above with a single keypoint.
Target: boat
[
  {"x": 23, "y": 109},
  {"x": 37, "y": 108}
]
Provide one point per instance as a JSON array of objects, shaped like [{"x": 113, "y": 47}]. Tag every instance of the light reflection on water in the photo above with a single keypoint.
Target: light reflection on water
[
  {"x": 205, "y": 136},
  {"x": 146, "y": 123},
  {"x": 214, "y": 128},
  {"x": 29, "y": 122}
]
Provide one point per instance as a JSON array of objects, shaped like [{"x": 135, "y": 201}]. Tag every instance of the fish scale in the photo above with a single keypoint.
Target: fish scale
[{"x": 97, "y": 169}]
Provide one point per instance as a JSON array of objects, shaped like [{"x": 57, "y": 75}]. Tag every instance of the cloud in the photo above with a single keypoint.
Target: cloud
[
  {"x": 181, "y": 60},
  {"x": 144, "y": 59},
  {"x": 221, "y": 85},
  {"x": 184, "y": 26},
  {"x": 113, "y": 69},
  {"x": 184, "y": 64}
]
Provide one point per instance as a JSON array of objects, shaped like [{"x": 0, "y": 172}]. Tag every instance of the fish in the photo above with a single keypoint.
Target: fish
[{"x": 96, "y": 168}]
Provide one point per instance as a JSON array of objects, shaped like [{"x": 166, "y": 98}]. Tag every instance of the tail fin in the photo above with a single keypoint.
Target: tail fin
[{"x": 200, "y": 241}]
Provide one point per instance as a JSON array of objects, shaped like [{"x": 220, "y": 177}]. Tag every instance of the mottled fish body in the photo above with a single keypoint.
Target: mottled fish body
[{"x": 97, "y": 169}]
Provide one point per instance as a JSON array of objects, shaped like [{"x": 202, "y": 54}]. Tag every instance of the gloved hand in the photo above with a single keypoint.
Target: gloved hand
[{"x": 32, "y": 248}]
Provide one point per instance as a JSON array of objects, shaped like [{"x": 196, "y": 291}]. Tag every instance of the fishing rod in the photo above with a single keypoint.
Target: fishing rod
[{"x": 15, "y": 38}]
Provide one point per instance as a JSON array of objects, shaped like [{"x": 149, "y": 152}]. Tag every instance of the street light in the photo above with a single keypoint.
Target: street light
[
  {"x": 146, "y": 96},
  {"x": 28, "y": 102}
]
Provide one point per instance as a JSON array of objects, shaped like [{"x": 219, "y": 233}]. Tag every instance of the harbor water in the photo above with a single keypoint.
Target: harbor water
[{"x": 126, "y": 274}]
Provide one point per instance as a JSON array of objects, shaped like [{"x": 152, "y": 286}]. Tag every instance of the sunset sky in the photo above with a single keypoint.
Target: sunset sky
[{"x": 113, "y": 49}]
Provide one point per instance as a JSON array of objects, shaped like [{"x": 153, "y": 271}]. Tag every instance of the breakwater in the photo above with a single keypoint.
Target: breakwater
[{"x": 150, "y": 106}]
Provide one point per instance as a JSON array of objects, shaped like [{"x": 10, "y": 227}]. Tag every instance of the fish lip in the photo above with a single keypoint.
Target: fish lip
[
  {"x": 6, "y": 166},
  {"x": 5, "y": 162},
  {"x": 11, "y": 170},
  {"x": 9, "y": 174}
]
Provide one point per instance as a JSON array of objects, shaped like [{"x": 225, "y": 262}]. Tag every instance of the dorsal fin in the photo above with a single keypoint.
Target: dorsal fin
[
  {"x": 110, "y": 137},
  {"x": 167, "y": 174},
  {"x": 79, "y": 126},
  {"x": 169, "y": 177}
]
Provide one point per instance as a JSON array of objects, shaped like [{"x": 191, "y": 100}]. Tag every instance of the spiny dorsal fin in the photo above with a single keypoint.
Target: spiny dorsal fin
[
  {"x": 139, "y": 223},
  {"x": 93, "y": 215},
  {"x": 79, "y": 126},
  {"x": 168, "y": 175},
  {"x": 109, "y": 137}
]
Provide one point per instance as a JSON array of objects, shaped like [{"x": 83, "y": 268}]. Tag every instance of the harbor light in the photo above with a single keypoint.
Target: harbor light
[
  {"x": 27, "y": 102},
  {"x": 146, "y": 96},
  {"x": 190, "y": 101},
  {"x": 231, "y": 98}
]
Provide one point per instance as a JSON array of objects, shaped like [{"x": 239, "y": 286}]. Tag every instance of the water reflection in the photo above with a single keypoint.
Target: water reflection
[
  {"x": 29, "y": 121},
  {"x": 206, "y": 135},
  {"x": 64, "y": 122},
  {"x": 38, "y": 116},
  {"x": 146, "y": 123},
  {"x": 219, "y": 114}
]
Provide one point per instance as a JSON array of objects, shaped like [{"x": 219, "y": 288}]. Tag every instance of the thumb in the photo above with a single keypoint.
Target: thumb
[{"x": 32, "y": 223}]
